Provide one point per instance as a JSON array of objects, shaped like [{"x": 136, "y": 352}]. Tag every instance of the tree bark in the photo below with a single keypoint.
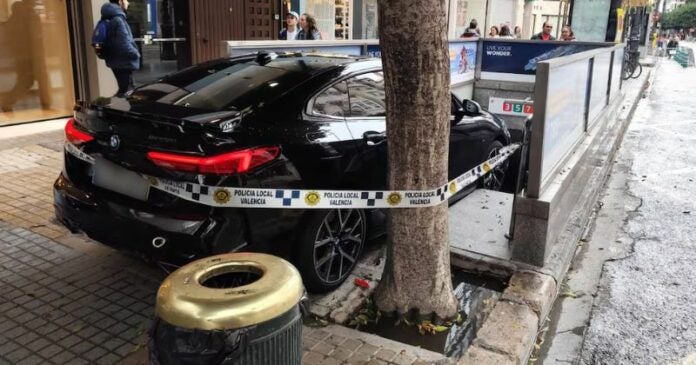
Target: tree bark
[{"x": 415, "y": 59}]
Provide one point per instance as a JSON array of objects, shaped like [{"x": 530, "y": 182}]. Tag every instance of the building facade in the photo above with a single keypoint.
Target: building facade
[{"x": 46, "y": 61}]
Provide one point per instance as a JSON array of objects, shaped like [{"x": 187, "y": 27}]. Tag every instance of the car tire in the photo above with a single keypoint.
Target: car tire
[
  {"x": 329, "y": 247},
  {"x": 495, "y": 179}
]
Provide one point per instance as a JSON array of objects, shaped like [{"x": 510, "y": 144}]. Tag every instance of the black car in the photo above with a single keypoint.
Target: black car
[{"x": 286, "y": 121}]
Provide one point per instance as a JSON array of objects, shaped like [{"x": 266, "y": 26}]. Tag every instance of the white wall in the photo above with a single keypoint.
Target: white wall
[{"x": 102, "y": 81}]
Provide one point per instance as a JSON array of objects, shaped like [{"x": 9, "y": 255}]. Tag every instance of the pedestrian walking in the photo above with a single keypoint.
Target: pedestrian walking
[
  {"x": 567, "y": 33},
  {"x": 119, "y": 51},
  {"x": 494, "y": 32},
  {"x": 505, "y": 32},
  {"x": 292, "y": 29},
  {"x": 309, "y": 29},
  {"x": 518, "y": 32},
  {"x": 660, "y": 44},
  {"x": 545, "y": 34}
]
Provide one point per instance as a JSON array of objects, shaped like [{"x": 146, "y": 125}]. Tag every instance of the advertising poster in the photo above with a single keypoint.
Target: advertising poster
[
  {"x": 462, "y": 55},
  {"x": 517, "y": 61},
  {"x": 462, "y": 61},
  {"x": 619, "y": 25}
]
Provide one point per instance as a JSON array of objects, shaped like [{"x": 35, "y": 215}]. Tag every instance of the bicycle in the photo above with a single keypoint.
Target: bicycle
[{"x": 631, "y": 67}]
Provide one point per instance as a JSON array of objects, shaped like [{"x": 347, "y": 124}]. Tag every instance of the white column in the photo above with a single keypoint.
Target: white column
[{"x": 101, "y": 79}]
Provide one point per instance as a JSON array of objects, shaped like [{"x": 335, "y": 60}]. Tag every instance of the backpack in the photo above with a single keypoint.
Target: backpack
[{"x": 99, "y": 37}]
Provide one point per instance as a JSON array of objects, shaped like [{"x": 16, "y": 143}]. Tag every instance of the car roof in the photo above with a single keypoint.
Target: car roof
[{"x": 310, "y": 64}]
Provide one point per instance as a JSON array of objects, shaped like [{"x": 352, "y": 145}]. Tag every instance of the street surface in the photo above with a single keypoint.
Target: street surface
[
  {"x": 65, "y": 299},
  {"x": 643, "y": 310}
]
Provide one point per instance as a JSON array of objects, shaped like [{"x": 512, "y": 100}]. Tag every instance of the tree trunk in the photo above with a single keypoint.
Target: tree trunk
[{"x": 415, "y": 58}]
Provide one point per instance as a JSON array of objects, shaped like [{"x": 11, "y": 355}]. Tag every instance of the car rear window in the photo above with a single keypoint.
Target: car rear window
[{"x": 221, "y": 86}]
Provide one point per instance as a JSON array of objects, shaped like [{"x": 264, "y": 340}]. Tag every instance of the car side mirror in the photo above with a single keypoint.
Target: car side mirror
[{"x": 471, "y": 107}]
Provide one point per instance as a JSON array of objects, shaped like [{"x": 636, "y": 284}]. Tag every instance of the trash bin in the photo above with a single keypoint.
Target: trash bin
[{"x": 239, "y": 308}]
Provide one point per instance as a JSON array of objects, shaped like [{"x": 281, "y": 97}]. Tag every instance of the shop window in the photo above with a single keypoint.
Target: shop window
[{"x": 36, "y": 80}]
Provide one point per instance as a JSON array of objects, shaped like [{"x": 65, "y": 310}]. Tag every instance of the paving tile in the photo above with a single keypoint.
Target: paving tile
[
  {"x": 32, "y": 360},
  {"x": 109, "y": 359},
  {"x": 351, "y": 344},
  {"x": 26, "y": 338},
  {"x": 82, "y": 347},
  {"x": 6, "y": 325},
  {"x": 368, "y": 349},
  {"x": 18, "y": 354},
  {"x": 335, "y": 340},
  {"x": 49, "y": 351},
  {"x": 63, "y": 357},
  {"x": 341, "y": 354},
  {"x": 38, "y": 344},
  {"x": 385, "y": 354},
  {"x": 8, "y": 347},
  {"x": 70, "y": 341},
  {"x": 312, "y": 358},
  {"x": 323, "y": 348},
  {"x": 94, "y": 354},
  {"x": 330, "y": 361},
  {"x": 114, "y": 343}
]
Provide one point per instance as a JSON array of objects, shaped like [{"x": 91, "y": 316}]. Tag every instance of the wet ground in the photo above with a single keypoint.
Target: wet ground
[
  {"x": 644, "y": 311},
  {"x": 476, "y": 294}
]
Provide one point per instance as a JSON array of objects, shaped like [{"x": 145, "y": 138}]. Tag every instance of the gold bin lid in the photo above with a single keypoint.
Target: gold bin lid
[{"x": 183, "y": 300}]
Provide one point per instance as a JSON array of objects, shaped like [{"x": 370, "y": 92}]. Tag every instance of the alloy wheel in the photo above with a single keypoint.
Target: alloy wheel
[
  {"x": 494, "y": 180},
  {"x": 338, "y": 244}
]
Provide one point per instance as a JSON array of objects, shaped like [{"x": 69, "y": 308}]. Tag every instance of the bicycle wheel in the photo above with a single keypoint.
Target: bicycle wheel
[
  {"x": 637, "y": 71},
  {"x": 627, "y": 70}
]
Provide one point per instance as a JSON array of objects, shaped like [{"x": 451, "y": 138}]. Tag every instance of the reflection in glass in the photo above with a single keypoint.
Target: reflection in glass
[
  {"x": 35, "y": 61},
  {"x": 366, "y": 93}
]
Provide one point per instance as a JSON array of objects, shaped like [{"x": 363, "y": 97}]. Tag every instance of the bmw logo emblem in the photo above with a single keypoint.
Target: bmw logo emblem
[{"x": 115, "y": 142}]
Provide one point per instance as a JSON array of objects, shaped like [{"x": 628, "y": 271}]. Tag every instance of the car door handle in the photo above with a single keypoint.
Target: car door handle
[{"x": 373, "y": 138}]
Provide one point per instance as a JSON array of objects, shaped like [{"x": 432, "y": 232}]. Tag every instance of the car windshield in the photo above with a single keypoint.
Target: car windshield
[{"x": 221, "y": 86}]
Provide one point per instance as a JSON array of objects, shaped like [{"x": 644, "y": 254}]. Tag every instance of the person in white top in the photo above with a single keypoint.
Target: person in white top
[
  {"x": 494, "y": 32},
  {"x": 290, "y": 33}
]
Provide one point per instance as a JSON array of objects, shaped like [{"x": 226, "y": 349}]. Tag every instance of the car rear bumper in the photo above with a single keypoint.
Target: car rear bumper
[{"x": 127, "y": 228}]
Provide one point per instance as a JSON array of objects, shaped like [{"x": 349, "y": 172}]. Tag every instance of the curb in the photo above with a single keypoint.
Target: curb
[{"x": 509, "y": 333}]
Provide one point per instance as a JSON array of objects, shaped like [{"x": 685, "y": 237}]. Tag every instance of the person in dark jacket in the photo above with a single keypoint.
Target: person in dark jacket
[
  {"x": 120, "y": 52},
  {"x": 290, "y": 32},
  {"x": 309, "y": 29},
  {"x": 545, "y": 34}
]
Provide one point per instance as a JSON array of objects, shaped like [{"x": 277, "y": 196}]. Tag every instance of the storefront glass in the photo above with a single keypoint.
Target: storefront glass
[
  {"x": 463, "y": 12},
  {"x": 369, "y": 20},
  {"x": 160, "y": 29},
  {"x": 36, "y": 79}
]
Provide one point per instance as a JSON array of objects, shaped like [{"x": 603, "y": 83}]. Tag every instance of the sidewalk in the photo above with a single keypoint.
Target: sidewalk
[{"x": 68, "y": 300}]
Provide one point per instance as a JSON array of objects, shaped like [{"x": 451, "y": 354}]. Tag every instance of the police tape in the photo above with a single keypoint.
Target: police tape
[{"x": 233, "y": 197}]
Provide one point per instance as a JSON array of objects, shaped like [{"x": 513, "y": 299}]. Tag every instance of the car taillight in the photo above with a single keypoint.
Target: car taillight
[
  {"x": 227, "y": 163},
  {"x": 74, "y": 135}
]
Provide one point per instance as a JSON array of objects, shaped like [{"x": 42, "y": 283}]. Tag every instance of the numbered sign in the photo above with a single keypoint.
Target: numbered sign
[{"x": 520, "y": 108}]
